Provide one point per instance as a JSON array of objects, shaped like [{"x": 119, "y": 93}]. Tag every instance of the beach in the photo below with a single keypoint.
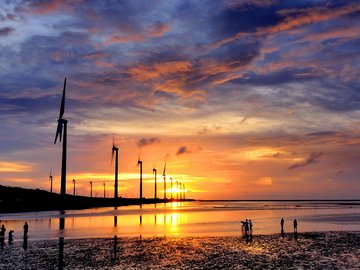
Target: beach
[{"x": 313, "y": 250}]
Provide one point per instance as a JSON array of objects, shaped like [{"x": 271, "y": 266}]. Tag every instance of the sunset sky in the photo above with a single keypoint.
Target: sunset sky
[{"x": 244, "y": 99}]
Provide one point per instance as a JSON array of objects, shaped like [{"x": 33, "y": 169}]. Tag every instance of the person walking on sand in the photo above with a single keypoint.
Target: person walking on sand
[
  {"x": 246, "y": 228},
  {"x": 11, "y": 237},
  {"x": 282, "y": 226},
  {"x": 26, "y": 229},
  {"x": 2, "y": 236},
  {"x": 295, "y": 226}
]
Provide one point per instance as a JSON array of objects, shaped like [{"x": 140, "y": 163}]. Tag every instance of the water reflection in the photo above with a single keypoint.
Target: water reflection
[
  {"x": 61, "y": 239},
  {"x": 181, "y": 218}
]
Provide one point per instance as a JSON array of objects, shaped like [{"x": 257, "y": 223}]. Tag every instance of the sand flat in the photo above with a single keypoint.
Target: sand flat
[{"x": 328, "y": 250}]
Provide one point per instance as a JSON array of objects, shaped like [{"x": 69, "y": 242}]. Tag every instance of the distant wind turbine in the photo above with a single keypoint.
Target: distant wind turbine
[
  {"x": 91, "y": 189},
  {"x": 177, "y": 190},
  {"x": 62, "y": 131},
  {"x": 104, "y": 190},
  {"x": 171, "y": 188},
  {"x": 184, "y": 192},
  {"x": 74, "y": 186},
  {"x": 155, "y": 195},
  {"x": 116, "y": 151},
  {"x": 164, "y": 175},
  {"x": 51, "y": 181},
  {"x": 140, "y": 163}
]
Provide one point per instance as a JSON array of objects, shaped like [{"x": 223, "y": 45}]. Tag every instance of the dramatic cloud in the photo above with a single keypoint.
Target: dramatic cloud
[
  {"x": 254, "y": 83},
  {"x": 313, "y": 158},
  {"x": 147, "y": 141}
]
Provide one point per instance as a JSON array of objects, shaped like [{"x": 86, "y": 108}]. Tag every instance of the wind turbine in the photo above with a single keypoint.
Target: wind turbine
[
  {"x": 184, "y": 192},
  {"x": 180, "y": 191},
  {"x": 74, "y": 185},
  {"x": 164, "y": 175},
  {"x": 116, "y": 151},
  {"x": 154, "y": 172},
  {"x": 62, "y": 132},
  {"x": 140, "y": 163},
  {"x": 51, "y": 181},
  {"x": 91, "y": 189}
]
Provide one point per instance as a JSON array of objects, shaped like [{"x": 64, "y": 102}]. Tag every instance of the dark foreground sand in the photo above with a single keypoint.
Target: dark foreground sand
[{"x": 330, "y": 250}]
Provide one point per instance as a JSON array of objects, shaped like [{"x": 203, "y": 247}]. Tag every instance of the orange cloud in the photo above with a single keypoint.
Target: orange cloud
[
  {"x": 154, "y": 31},
  {"x": 308, "y": 16},
  {"x": 6, "y": 166}
]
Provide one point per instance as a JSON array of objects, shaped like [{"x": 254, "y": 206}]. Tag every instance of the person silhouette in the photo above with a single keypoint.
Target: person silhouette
[
  {"x": 295, "y": 229},
  {"x": 2, "y": 236},
  {"x": 11, "y": 237},
  {"x": 295, "y": 225},
  {"x": 282, "y": 227},
  {"x": 26, "y": 229}
]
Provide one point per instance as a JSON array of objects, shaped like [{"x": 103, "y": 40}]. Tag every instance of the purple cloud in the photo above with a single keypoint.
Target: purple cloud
[
  {"x": 313, "y": 158},
  {"x": 5, "y": 31},
  {"x": 147, "y": 141}
]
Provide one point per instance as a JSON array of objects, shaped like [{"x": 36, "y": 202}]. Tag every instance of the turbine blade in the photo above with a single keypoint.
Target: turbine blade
[
  {"x": 112, "y": 155},
  {"x": 58, "y": 132},
  {"x": 62, "y": 107},
  {"x": 164, "y": 169}
]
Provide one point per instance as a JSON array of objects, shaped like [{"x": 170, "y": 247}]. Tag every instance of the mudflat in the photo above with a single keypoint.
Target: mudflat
[{"x": 325, "y": 250}]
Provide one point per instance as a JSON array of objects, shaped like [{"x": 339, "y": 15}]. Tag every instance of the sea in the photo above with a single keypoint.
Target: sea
[{"x": 186, "y": 219}]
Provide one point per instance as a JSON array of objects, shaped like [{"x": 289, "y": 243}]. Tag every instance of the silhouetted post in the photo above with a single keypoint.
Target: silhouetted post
[
  {"x": 184, "y": 192},
  {"x": 171, "y": 189},
  {"x": 155, "y": 195},
  {"x": 104, "y": 190},
  {"x": 282, "y": 227},
  {"x": 90, "y": 189},
  {"x": 180, "y": 191},
  {"x": 74, "y": 186}
]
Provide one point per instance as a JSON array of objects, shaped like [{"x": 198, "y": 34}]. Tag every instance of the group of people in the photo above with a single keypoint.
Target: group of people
[
  {"x": 247, "y": 229},
  {"x": 11, "y": 235},
  {"x": 295, "y": 224}
]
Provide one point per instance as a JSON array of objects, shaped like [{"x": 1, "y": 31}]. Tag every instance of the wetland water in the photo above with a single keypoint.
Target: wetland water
[{"x": 200, "y": 218}]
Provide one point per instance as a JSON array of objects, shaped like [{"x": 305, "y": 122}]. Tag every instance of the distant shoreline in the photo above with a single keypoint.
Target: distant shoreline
[{"x": 17, "y": 200}]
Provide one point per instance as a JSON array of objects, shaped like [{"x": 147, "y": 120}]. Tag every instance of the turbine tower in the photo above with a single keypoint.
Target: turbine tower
[
  {"x": 74, "y": 186},
  {"x": 171, "y": 188},
  {"x": 140, "y": 163},
  {"x": 90, "y": 189},
  {"x": 164, "y": 175},
  {"x": 184, "y": 192},
  {"x": 51, "y": 181},
  {"x": 116, "y": 151},
  {"x": 155, "y": 195},
  {"x": 62, "y": 132},
  {"x": 177, "y": 190}
]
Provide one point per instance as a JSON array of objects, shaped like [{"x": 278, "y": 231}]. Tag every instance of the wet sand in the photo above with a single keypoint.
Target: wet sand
[{"x": 329, "y": 250}]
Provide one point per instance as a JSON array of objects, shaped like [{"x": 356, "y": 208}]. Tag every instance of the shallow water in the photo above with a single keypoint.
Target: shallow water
[{"x": 187, "y": 219}]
